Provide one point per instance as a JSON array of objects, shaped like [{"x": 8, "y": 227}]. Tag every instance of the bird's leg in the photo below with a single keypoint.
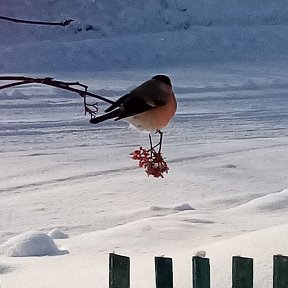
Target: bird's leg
[
  {"x": 160, "y": 141},
  {"x": 158, "y": 144}
]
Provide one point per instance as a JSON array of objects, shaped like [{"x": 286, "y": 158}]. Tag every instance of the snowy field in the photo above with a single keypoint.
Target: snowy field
[
  {"x": 69, "y": 191},
  {"x": 225, "y": 192}
]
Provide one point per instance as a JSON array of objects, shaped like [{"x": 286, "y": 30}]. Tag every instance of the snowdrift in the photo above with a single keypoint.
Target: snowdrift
[
  {"x": 143, "y": 34},
  {"x": 31, "y": 244}
]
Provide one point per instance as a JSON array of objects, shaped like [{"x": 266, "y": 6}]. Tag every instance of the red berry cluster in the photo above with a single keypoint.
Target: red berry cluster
[{"x": 151, "y": 161}]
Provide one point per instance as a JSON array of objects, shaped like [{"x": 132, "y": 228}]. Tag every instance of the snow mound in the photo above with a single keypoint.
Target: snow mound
[
  {"x": 14, "y": 94},
  {"x": 201, "y": 253},
  {"x": 4, "y": 269},
  {"x": 31, "y": 244},
  {"x": 178, "y": 207},
  {"x": 271, "y": 203},
  {"x": 183, "y": 207},
  {"x": 56, "y": 233}
]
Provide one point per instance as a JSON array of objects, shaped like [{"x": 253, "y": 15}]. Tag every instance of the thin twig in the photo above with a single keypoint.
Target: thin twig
[
  {"x": 12, "y": 85},
  {"x": 63, "y": 23},
  {"x": 51, "y": 82},
  {"x": 91, "y": 109}
]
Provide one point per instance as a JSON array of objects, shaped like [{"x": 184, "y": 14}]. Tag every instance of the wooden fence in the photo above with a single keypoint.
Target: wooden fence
[{"x": 242, "y": 272}]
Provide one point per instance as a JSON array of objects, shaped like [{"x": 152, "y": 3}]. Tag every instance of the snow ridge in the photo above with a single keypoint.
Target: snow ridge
[
  {"x": 126, "y": 34},
  {"x": 30, "y": 244}
]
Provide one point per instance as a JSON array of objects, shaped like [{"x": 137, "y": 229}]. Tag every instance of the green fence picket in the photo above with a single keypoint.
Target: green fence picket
[
  {"x": 242, "y": 272},
  {"x": 280, "y": 271},
  {"x": 119, "y": 271},
  {"x": 201, "y": 272},
  {"x": 163, "y": 272}
]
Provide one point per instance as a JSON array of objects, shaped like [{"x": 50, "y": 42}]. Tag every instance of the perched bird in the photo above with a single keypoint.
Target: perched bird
[{"x": 149, "y": 106}]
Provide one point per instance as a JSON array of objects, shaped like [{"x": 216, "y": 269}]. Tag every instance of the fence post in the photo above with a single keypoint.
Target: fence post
[
  {"x": 119, "y": 271},
  {"x": 201, "y": 272},
  {"x": 242, "y": 272},
  {"x": 280, "y": 271},
  {"x": 163, "y": 272}
]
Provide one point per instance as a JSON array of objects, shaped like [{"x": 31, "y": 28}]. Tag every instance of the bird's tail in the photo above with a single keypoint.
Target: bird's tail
[{"x": 110, "y": 115}]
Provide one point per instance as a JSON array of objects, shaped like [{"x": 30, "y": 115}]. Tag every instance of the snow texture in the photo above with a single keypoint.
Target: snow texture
[
  {"x": 143, "y": 34},
  {"x": 226, "y": 190},
  {"x": 31, "y": 244},
  {"x": 56, "y": 233}
]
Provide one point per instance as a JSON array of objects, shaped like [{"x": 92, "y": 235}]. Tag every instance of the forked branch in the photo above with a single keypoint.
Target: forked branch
[
  {"x": 151, "y": 160},
  {"x": 75, "y": 87}
]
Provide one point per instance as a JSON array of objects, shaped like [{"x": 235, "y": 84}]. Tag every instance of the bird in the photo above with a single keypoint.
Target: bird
[{"x": 149, "y": 107}]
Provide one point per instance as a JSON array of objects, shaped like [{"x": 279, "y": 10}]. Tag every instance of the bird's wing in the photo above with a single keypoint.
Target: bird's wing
[
  {"x": 145, "y": 97},
  {"x": 117, "y": 103},
  {"x": 152, "y": 92},
  {"x": 133, "y": 106},
  {"x": 139, "y": 104}
]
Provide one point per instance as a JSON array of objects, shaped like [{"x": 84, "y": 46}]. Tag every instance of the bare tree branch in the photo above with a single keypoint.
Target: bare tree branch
[
  {"x": 91, "y": 109},
  {"x": 63, "y": 23}
]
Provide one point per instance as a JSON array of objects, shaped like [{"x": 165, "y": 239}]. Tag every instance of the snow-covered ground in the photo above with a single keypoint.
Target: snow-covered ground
[
  {"x": 70, "y": 191},
  {"x": 125, "y": 34},
  {"x": 227, "y": 152}
]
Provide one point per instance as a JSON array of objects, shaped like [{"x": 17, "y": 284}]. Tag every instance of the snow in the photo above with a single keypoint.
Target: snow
[
  {"x": 56, "y": 233},
  {"x": 30, "y": 244},
  {"x": 260, "y": 245},
  {"x": 144, "y": 34},
  {"x": 224, "y": 195},
  {"x": 272, "y": 202},
  {"x": 68, "y": 186}
]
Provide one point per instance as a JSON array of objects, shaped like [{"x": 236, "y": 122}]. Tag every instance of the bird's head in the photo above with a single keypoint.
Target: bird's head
[{"x": 164, "y": 79}]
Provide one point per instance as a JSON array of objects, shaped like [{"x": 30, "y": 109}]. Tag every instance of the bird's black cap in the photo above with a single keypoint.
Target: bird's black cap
[{"x": 164, "y": 79}]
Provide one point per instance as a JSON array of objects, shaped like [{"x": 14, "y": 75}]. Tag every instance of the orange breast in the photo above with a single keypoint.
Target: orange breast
[{"x": 156, "y": 118}]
